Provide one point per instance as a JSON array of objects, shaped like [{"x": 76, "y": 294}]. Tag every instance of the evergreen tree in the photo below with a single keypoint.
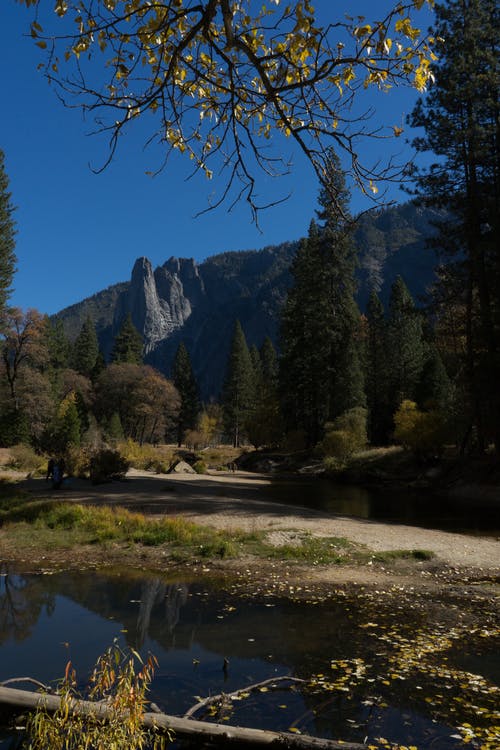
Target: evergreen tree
[
  {"x": 238, "y": 396},
  {"x": 58, "y": 348},
  {"x": 265, "y": 425},
  {"x": 405, "y": 345},
  {"x": 269, "y": 362},
  {"x": 185, "y": 382},
  {"x": 128, "y": 344},
  {"x": 349, "y": 375},
  {"x": 114, "y": 430},
  {"x": 460, "y": 116},
  {"x": 434, "y": 387},
  {"x": 320, "y": 373},
  {"x": 83, "y": 413},
  {"x": 85, "y": 349},
  {"x": 256, "y": 365},
  {"x": 377, "y": 373},
  {"x": 7, "y": 236},
  {"x": 100, "y": 366}
]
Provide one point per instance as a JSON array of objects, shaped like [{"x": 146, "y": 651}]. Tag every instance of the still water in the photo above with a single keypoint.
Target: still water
[
  {"x": 357, "y": 644},
  {"x": 478, "y": 515}
]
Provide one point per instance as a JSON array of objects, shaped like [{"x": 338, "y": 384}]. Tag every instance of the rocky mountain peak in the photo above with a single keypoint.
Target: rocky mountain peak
[{"x": 162, "y": 300}]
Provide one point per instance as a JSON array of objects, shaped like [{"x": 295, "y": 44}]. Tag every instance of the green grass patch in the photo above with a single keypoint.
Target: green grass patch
[
  {"x": 64, "y": 525},
  {"x": 312, "y": 550}
]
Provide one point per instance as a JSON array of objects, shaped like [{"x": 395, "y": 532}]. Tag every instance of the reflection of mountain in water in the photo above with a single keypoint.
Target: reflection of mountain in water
[{"x": 168, "y": 599}]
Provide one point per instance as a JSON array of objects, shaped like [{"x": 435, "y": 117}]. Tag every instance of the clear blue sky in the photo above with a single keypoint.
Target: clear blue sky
[{"x": 79, "y": 232}]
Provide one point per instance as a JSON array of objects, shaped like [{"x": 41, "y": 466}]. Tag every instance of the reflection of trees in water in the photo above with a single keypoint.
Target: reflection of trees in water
[
  {"x": 21, "y": 603},
  {"x": 153, "y": 593}
]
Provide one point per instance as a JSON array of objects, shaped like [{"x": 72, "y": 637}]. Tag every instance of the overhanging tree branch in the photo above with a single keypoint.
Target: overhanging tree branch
[{"x": 224, "y": 79}]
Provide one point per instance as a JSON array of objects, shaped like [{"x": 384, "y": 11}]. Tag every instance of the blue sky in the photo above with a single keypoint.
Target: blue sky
[{"x": 79, "y": 232}]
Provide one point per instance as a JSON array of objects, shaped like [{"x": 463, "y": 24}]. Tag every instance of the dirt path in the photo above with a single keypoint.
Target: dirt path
[{"x": 238, "y": 501}]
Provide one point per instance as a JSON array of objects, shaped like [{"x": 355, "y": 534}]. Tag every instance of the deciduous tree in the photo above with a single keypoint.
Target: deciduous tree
[
  {"x": 22, "y": 345},
  {"x": 145, "y": 401}
]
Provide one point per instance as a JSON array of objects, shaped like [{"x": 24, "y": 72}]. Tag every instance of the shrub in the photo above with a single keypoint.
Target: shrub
[
  {"x": 24, "y": 458},
  {"x": 158, "y": 466},
  {"x": 138, "y": 456},
  {"x": 146, "y": 456},
  {"x": 119, "y": 681},
  {"x": 200, "y": 467},
  {"x": 423, "y": 432},
  {"x": 76, "y": 462},
  {"x": 195, "y": 439},
  {"x": 345, "y": 435},
  {"x": 339, "y": 444},
  {"x": 332, "y": 465},
  {"x": 354, "y": 421},
  {"x": 106, "y": 465}
]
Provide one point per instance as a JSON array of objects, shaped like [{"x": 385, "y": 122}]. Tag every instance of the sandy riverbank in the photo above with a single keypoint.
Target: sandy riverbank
[{"x": 237, "y": 501}]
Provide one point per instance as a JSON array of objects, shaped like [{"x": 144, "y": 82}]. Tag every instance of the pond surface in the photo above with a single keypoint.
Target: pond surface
[
  {"x": 391, "y": 664},
  {"x": 412, "y": 507}
]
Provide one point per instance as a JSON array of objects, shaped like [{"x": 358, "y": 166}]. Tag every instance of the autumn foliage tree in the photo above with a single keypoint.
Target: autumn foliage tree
[{"x": 144, "y": 400}]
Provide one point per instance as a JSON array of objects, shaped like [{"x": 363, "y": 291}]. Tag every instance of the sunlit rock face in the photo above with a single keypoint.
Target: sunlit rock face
[{"x": 161, "y": 301}]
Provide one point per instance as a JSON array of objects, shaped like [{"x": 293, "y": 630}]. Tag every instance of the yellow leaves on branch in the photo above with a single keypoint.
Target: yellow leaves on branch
[{"x": 244, "y": 70}]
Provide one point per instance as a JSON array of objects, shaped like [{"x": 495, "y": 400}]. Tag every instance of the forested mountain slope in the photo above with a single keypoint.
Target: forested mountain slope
[{"x": 198, "y": 303}]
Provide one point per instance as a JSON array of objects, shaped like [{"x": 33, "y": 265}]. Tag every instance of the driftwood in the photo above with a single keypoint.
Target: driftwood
[
  {"x": 27, "y": 700},
  {"x": 223, "y": 697}
]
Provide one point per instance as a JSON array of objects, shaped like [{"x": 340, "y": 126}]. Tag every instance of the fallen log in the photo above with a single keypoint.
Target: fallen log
[{"x": 246, "y": 736}]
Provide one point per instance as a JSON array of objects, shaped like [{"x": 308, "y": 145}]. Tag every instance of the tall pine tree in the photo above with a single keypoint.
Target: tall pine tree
[
  {"x": 265, "y": 426},
  {"x": 377, "y": 373},
  {"x": 460, "y": 117},
  {"x": 405, "y": 345},
  {"x": 320, "y": 370},
  {"x": 128, "y": 344},
  {"x": 58, "y": 346},
  {"x": 7, "y": 236},
  {"x": 85, "y": 349},
  {"x": 185, "y": 382},
  {"x": 238, "y": 398}
]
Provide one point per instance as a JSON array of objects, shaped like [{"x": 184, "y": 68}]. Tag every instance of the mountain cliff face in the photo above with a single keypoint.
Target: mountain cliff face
[
  {"x": 199, "y": 303},
  {"x": 160, "y": 301}
]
